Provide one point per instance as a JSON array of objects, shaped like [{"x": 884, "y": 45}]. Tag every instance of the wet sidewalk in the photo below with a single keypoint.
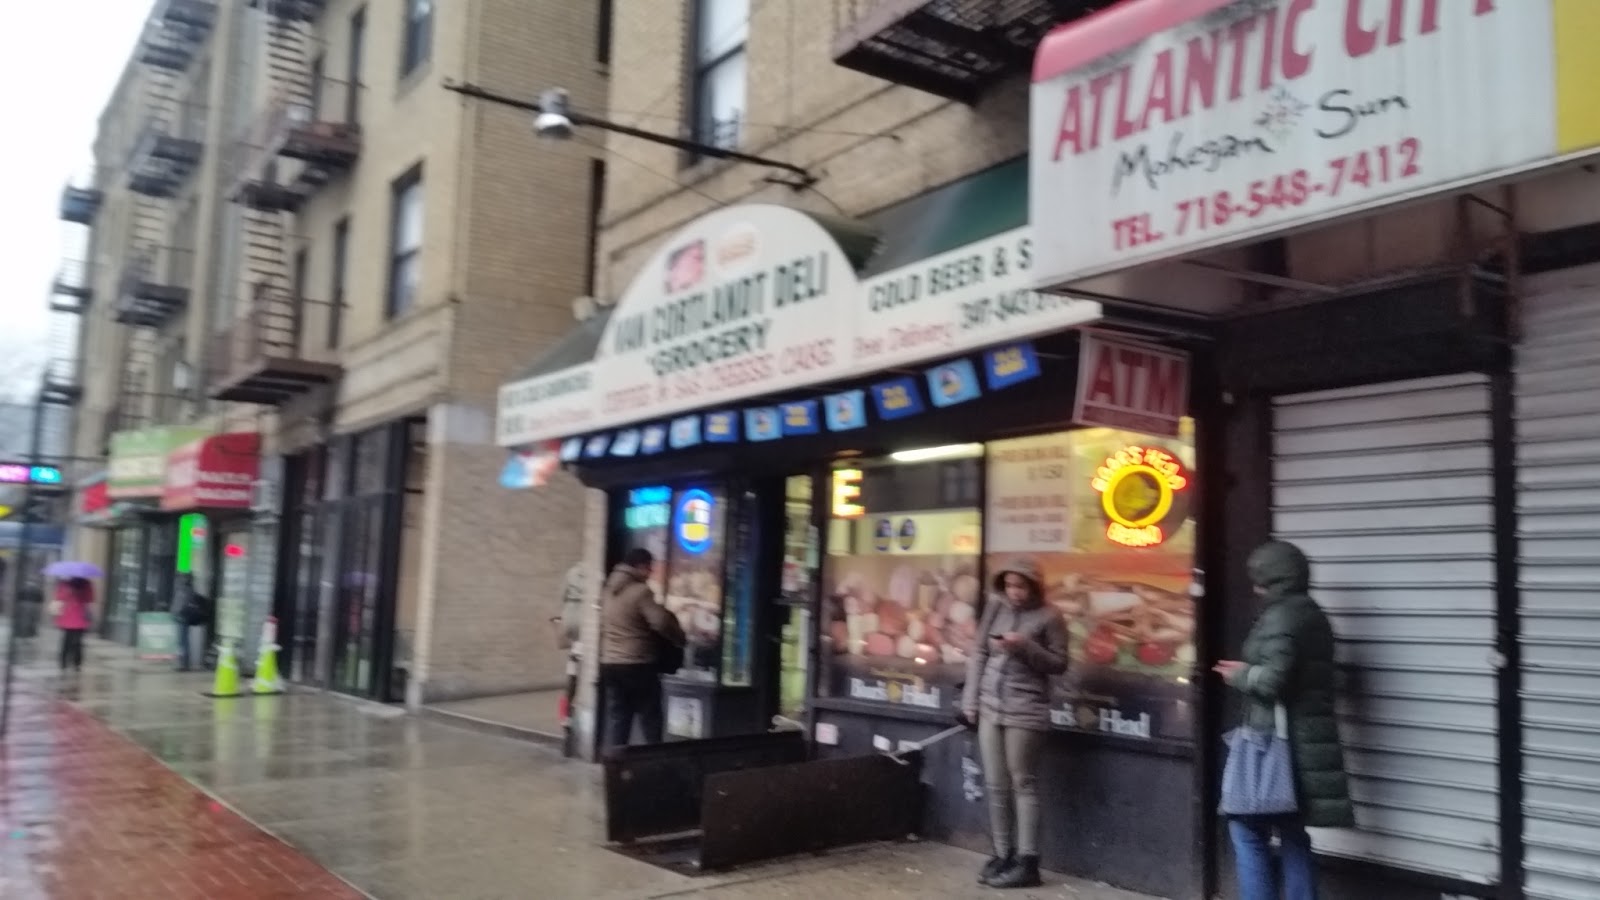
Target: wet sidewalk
[
  {"x": 87, "y": 814},
  {"x": 402, "y": 807}
]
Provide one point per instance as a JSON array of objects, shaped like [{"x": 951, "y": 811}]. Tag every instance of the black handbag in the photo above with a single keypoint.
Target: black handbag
[{"x": 669, "y": 656}]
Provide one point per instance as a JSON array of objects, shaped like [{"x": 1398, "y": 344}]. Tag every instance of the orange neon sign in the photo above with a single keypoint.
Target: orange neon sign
[{"x": 1138, "y": 487}]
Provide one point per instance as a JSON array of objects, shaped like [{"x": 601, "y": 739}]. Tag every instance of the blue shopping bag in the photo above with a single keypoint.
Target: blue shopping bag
[{"x": 1258, "y": 778}]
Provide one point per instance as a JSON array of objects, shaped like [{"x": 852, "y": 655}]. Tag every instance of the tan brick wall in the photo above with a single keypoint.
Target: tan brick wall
[
  {"x": 504, "y": 254},
  {"x": 521, "y": 251},
  {"x": 871, "y": 143}
]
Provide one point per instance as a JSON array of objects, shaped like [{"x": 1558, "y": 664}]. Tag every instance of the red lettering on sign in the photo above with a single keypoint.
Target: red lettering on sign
[{"x": 1133, "y": 386}]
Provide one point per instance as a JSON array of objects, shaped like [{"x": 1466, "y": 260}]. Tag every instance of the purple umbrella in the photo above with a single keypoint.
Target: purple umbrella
[{"x": 69, "y": 569}]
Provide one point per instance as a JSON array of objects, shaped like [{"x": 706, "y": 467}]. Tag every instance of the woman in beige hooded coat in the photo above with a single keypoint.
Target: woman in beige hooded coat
[{"x": 1021, "y": 643}]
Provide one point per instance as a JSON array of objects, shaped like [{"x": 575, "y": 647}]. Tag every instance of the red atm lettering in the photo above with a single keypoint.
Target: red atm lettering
[{"x": 1130, "y": 378}]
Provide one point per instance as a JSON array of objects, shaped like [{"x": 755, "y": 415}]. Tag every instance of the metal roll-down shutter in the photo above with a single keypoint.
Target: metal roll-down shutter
[
  {"x": 1558, "y": 513},
  {"x": 1389, "y": 490}
]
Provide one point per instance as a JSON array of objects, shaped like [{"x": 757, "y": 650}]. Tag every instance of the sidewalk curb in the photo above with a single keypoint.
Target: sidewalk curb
[{"x": 481, "y": 725}]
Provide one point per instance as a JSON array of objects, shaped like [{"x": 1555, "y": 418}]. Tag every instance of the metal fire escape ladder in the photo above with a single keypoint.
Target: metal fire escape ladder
[
  {"x": 268, "y": 283},
  {"x": 149, "y": 231}
]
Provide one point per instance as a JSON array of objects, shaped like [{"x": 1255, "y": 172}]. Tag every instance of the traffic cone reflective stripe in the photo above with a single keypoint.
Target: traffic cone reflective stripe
[
  {"x": 267, "y": 680},
  {"x": 226, "y": 683}
]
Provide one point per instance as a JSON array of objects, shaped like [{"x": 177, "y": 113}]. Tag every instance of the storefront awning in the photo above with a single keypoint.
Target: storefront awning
[
  {"x": 214, "y": 472},
  {"x": 138, "y": 461},
  {"x": 755, "y": 300}
]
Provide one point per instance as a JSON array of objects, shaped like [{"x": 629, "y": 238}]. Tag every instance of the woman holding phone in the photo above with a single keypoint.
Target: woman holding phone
[{"x": 1021, "y": 643}]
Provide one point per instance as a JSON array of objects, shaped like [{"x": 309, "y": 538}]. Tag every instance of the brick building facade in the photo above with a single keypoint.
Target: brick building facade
[{"x": 365, "y": 249}]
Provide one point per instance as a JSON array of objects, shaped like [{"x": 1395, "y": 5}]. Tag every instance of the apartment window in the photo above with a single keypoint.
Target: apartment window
[
  {"x": 297, "y": 274},
  {"x": 317, "y": 87},
  {"x": 602, "y": 47},
  {"x": 597, "y": 202},
  {"x": 405, "y": 239},
  {"x": 721, "y": 29},
  {"x": 354, "y": 61},
  {"x": 419, "y": 35},
  {"x": 341, "y": 262}
]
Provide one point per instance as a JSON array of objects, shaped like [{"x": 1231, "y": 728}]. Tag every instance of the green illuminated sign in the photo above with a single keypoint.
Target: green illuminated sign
[{"x": 191, "y": 540}]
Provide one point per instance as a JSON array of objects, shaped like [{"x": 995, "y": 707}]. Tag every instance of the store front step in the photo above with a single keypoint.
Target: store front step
[{"x": 517, "y": 716}]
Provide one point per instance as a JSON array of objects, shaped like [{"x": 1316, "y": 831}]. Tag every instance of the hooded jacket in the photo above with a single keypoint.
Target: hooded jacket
[
  {"x": 632, "y": 618},
  {"x": 1012, "y": 688},
  {"x": 1289, "y": 659}
]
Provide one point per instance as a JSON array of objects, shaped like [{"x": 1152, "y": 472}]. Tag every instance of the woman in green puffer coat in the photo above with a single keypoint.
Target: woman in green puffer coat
[{"x": 1288, "y": 659}]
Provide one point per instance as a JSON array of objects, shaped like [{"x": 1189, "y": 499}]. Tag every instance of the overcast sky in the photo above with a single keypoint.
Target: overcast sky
[{"x": 62, "y": 59}]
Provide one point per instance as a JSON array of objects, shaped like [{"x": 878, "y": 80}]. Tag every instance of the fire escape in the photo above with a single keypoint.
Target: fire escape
[
  {"x": 305, "y": 137},
  {"x": 73, "y": 287},
  {"x": 953, "y": 48},
  {"x": 154, "y": 285}
]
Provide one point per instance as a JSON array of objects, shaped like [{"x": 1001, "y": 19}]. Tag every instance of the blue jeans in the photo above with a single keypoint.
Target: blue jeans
[{"x": 1259, "y": 875}]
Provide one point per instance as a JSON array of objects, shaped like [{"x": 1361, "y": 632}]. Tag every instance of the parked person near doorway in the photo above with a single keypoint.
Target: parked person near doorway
[
  {"x": 1021, "y": 642},
  {"x": 640, "y": 638},
  {"x": 569, "y": 627},
  {"x": 74, "y": 612},
  {"x": 30, "y": 609},
  {"x": 190, "y": 609},
  {"x": 1288, "y": 661}
]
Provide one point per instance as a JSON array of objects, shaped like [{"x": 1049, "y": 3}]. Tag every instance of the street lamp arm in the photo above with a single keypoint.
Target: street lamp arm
[{"x": 478, "y": 93}]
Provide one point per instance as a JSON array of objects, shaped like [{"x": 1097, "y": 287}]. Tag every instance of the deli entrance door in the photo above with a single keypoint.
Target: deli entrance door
[{"x": 748, "y": 654}]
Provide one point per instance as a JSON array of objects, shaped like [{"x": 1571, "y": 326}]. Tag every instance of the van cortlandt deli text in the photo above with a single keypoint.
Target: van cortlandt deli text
[
  {"x": 1164, "y": 126},
  {"x": 756, "y": 299}
]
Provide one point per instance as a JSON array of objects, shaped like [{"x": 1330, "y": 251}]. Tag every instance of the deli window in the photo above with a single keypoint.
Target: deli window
[
  {"x": 1105, "y": 515},
  {"x": 902, "y": 572}
]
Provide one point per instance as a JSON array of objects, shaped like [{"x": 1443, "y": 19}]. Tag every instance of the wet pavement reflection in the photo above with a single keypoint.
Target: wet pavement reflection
[{"x": 122, "y": 781}]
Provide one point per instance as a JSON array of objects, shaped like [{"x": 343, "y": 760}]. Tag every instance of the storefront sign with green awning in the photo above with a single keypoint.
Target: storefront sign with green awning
[
  {"x": 757, "y": 299},
  {"x": 138, "y": 463}
]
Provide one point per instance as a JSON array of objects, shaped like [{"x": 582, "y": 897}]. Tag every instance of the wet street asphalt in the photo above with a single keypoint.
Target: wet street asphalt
[{"x": 125, "y": 781}]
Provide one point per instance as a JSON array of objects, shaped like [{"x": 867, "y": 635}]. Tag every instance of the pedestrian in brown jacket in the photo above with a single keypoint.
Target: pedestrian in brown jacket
[{"x": 631, "y": 658}]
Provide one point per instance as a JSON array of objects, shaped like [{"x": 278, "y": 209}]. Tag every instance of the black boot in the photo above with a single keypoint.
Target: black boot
[
  {"x": 1023, "y": 872},
  {"x": 994, "y": 867}
]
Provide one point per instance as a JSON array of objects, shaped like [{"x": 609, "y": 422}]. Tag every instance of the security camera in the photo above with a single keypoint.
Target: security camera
[{"x": 553, "y": 121}]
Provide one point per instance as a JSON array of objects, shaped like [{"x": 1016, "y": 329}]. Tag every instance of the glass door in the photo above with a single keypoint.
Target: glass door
[
  {"x": 358, "y": 595},
  {"x": 796, "y": 596}
]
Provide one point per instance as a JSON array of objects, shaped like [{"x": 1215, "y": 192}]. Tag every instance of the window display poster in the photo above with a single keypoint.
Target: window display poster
[
  {"x": 1105, "y": 515},
  {"x": 902, "y": 606},
  {"x": 234, "y": 589},
  {"x": 697, "y": 544},
  {"x": 646, "y": 521}
]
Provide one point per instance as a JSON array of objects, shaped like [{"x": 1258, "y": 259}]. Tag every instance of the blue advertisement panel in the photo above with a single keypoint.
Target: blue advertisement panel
[
  {"x": 953, "y": 382},
  {"x": 685, "y": 432},
  {"x": 800, "y": 418},
  {"x": 847, "y": 411},
  {"x": 761, "y": 423},
  {"x": 722, "y": 427},
  {"x": 653, "y": 439},
  {"x": 1010, "y": 364},
  {"x": 897, "y": 399}
]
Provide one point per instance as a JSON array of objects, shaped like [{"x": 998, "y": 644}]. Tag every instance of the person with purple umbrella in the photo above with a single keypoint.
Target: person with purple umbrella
[{"x": 73, "y": 609}]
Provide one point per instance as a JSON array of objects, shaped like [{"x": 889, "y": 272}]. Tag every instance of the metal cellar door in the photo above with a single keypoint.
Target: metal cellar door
[
  {"x": 1558, "y": 510},
  {"x": 1389, "y": 491}
]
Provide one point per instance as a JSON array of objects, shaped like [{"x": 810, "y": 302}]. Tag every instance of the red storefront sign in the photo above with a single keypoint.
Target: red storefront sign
[
  {"x": 1123, "y": 384},
  {"x": 94, "y": 498},
  {"x": 215, "y": 472}
]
